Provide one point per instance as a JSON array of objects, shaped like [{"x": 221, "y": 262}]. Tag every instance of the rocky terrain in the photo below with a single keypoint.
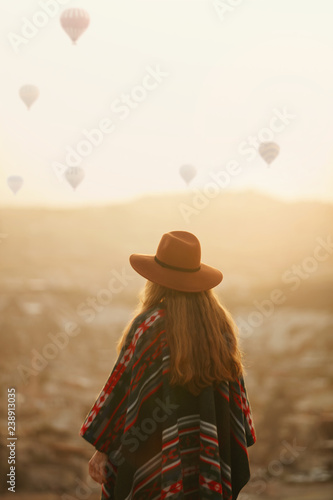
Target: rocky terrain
[{"x": 52, "y": 262}]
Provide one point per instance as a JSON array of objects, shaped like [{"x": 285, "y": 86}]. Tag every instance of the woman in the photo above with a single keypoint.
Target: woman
[{"x": 173, "y": 419}]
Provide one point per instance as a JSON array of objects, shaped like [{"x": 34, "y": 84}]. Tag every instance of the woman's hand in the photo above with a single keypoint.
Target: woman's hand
[{"x": 97, "y": 465}]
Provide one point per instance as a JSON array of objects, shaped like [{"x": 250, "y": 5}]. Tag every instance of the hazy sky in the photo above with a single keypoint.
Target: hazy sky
[{"x": 224, "y": 76}]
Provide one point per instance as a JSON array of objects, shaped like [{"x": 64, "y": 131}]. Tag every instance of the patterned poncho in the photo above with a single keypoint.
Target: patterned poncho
[{"x": 162, "y": 441}]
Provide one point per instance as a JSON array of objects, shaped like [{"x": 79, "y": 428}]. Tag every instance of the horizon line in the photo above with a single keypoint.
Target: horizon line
[{"x": 139, "y": 197}]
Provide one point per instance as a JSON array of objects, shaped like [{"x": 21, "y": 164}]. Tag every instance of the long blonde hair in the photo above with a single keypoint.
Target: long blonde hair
[{"x": 201, "y": 335}]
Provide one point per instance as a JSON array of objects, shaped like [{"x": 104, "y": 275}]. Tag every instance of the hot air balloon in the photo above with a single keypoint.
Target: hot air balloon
[
  {"x": 188, "y": 172},
  {"x": 269, "y": 151},
  {"x": 29, "y": 94},
  {"x": 74, "y": 22},
  {"x": 74, "y": 176},
  {"x": 15, "y": 182}
]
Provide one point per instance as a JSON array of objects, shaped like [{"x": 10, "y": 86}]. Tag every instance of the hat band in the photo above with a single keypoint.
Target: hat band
[{"x": 175, "y": 268}]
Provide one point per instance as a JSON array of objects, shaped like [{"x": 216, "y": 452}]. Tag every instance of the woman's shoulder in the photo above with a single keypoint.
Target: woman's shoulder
[
  {"x": 147, "y": 322},
  {"x": 149, "y": 318}
]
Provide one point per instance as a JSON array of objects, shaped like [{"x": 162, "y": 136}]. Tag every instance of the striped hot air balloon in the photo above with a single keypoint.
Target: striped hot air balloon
[
  {"x": 74, "y": 176},
  {"x": 74, "y": 22},
  {"x": 188, "y": 172},
  {"x": 28, "y": 94},
  {"x": 269, "y": 151}
]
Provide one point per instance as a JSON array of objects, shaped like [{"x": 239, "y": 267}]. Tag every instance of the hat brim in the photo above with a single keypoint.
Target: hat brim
[{"x": 206, "y": 278}]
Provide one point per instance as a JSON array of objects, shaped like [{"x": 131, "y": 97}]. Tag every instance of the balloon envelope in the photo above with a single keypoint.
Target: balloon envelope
[
  {"x": 28, "y": 94},
  {"x": 269, "y": 151},
  {"x": 15, "y": 182},
  {"x": 188, "y": 172},
  {"x": 74, "y": 22},
  {"x": 74, "y": 176}
]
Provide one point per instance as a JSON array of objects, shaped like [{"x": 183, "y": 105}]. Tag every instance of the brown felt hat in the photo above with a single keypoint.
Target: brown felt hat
[{"x": 177, "y": 264}]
